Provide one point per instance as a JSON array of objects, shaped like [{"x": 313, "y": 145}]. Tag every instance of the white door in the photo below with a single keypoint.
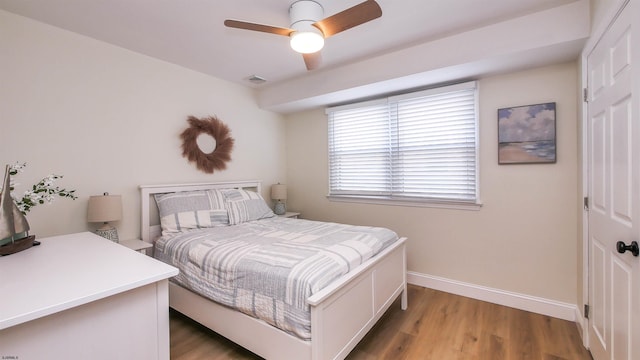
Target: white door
[{"x": 614, "y": 189}]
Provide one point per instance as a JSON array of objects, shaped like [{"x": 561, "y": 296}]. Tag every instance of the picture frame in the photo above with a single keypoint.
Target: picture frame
[{"x": 527, "y": 134}]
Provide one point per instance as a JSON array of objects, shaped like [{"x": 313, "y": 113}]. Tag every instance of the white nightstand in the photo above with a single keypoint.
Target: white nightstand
[
  {"x": 137, "y": 245},
  {"x": 291, "y": 214}
]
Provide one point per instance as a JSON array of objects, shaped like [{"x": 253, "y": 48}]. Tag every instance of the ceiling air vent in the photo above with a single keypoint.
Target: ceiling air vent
[{"x": 255, "y": 79}]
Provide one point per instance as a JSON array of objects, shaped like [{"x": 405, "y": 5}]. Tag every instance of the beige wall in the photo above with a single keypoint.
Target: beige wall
[
  {"x": 108, "y": 120},
  {"x": 524, "y": 237}
]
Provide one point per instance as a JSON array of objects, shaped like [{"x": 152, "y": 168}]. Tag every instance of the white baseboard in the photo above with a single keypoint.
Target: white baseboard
[{"x": 556, "y": 309}]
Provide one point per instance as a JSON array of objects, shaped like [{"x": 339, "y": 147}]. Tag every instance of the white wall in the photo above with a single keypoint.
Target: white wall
[
  {"x": 600, "y": 11},
  {"x": 522, "y": 240},
  {"x": 109, "y": 120}
]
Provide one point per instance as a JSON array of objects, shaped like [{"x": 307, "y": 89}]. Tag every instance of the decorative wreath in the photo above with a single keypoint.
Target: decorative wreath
[{"x": 215, "y": 160}]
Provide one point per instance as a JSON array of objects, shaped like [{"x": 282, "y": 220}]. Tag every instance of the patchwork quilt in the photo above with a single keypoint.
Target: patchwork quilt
[{"x": 268, "y": 268}]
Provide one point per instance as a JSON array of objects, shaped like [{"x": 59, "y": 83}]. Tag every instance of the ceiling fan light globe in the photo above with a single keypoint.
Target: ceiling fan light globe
[{"x": 306, "y": 42}]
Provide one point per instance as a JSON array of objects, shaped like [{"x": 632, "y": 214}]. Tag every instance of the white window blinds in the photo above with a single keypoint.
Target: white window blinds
[{"x": 419, "y": 146}]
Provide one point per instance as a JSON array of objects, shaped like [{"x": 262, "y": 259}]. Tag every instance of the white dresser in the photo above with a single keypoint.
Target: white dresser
[{"x": 81, "y": 296}]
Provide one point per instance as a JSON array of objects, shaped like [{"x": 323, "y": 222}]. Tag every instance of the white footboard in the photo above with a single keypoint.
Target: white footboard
[{"x": 342, "y": 314}]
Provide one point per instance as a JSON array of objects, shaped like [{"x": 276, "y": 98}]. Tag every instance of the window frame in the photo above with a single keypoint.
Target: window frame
[{"x": 475, "y": 204}]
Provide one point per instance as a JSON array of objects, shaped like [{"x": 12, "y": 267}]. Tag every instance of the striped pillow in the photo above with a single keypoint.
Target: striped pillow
[
  {"x": 243, "y": 206},
  {"x": 186, "y": 210}
]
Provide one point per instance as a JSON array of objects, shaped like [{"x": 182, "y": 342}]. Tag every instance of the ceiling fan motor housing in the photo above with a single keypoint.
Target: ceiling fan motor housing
[
  {"x": 306, "y": 38},
  {"x": 305, "y": 10}
]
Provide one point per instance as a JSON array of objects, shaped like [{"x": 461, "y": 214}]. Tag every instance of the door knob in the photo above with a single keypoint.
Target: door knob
[{"x": 622, "y": 247}]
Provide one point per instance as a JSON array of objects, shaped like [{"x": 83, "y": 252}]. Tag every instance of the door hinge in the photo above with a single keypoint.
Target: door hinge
[
  {"x": 585, "y": 95},
  {"x": 586, "y": 203},
  {"x": 586, "y": 311}
]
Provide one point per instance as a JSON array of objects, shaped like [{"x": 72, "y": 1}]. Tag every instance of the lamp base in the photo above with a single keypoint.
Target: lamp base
[
  {"x": 280, "y": 208},
  {"x": 108, "y": 232}
]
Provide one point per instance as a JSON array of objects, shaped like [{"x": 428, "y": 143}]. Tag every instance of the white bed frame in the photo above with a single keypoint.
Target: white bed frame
[{"x": 341, "y": 314}]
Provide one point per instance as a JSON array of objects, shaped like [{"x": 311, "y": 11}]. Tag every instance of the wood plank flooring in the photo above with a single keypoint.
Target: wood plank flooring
[{"x": 437, "y": 325}]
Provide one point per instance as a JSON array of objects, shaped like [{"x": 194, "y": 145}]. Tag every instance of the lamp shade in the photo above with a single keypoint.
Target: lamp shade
[
  {"x": 104, "y": 208},
  {"x": 279, "y": 192}
]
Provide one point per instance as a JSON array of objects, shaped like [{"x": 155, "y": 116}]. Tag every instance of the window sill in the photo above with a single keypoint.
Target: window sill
[{"x": 413, "y": 203}]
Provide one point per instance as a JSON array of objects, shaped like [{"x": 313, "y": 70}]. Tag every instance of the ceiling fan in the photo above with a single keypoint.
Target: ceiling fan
[{"x": 308, "y": 29}]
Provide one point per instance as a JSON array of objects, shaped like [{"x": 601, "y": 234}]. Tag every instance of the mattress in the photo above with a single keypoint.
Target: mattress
[{"x": 268, "y": 268}]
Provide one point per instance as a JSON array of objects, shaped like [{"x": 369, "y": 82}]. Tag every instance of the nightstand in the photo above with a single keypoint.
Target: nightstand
[
  {"x": 291, "y": 214},
  {"x": 137, "y": 245}
]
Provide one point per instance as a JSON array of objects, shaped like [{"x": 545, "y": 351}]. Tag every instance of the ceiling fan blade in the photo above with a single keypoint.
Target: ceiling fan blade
[
  {"x": 349, "y": 18},
  {"x": 257, "y": 27},
  {"x": 312, "y": 61}
]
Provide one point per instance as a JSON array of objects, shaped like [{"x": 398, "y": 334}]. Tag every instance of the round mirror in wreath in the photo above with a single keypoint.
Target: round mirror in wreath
[{"x": 207, "y": 143}]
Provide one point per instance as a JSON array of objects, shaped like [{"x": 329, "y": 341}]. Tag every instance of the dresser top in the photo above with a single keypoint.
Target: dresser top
[{"x": 70, "y": 270}]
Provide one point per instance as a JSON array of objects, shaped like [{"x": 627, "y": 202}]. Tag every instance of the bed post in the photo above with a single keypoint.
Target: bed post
[
  {"x": 404, "y": 298},
  {"x": 144, "y": 214}
]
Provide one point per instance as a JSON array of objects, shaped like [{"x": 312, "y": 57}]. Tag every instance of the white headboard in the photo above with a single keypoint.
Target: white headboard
[{"x": 150, "y": 223}]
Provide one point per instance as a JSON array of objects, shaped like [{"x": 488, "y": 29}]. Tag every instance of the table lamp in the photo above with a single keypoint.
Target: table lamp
[
  {"x": 105, "y": 208},
  {"x": 279, "y": 193}
]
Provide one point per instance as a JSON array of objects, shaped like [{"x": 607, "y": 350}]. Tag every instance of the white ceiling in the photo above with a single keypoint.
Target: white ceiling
[{"x": 191, "y": 33}]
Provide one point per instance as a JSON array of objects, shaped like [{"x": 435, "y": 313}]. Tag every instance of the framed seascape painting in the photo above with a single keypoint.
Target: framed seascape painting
[{"x": 527, "y": 134}]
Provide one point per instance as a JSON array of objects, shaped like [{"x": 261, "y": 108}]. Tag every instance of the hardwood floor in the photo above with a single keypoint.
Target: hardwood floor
[{"x": 437, "y": 325}]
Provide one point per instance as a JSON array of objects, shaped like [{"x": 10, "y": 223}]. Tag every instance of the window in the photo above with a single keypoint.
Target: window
[{"x": 419, "y": 148}]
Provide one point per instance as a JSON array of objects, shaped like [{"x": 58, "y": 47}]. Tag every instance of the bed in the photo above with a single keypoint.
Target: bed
[{"x": 340, "y": 312}]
